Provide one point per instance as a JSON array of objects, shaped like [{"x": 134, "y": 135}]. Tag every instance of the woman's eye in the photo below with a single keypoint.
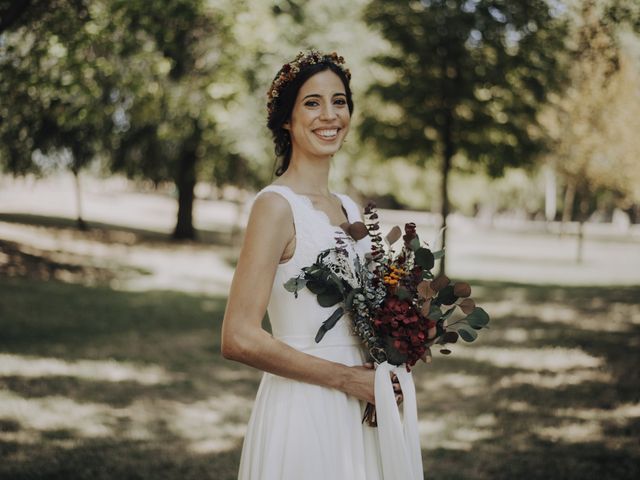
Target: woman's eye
[
  {"x": 341, "y": 101},
  {"x": 311, "y": 103}
]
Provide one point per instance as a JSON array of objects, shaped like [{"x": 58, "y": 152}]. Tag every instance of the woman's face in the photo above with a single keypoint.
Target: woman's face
[{"x": 320, "y": 117}]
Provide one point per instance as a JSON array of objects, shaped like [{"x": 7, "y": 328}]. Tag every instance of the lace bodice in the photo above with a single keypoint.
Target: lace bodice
[{"x": 301, "y": 317}]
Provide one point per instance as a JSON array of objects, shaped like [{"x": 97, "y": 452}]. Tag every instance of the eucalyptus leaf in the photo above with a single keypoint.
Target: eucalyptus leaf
[
  {"x": 478, "y": 318},
  {"x": 329, "y": 323},
  {"x": 414, "y": 244},
  {"x": 450, "y": 337},
  {"x": 329, "y": 297},
  {"x": 445, "y": 296},
  {"x": 435, "y": 313},
  {"x": 295, "y": 283},
  {"x": 427, "y": 275},
  {"x": 448, "y": 313},
  {"x": 314, "y": 271},
  {"x": 467, "y": 334},
  {"x": 424, "y": 258},
  {"x": 316, "y": 286},
  {"x": 394, "y": 234},
  {"x": 439, "y": 254}
]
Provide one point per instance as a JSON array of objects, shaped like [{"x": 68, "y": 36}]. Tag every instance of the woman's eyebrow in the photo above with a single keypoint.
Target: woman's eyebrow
[{"x": 317, "y": 95}]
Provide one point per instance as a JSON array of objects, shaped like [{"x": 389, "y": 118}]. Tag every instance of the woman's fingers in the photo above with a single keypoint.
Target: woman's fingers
[
  {"x": 396, "y": 383},
  {"x": 397, "y": 389}
]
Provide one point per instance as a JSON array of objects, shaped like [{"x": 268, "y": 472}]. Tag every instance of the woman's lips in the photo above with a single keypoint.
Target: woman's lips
[{"x": 327, "y": 134}]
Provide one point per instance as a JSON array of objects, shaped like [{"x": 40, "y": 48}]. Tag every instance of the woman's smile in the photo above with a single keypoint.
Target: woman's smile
[
  {"x": 320, "y": 118},
  {"x": 327, "y": 134}
]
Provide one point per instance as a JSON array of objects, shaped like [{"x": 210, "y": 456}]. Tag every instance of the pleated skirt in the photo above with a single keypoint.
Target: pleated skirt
[{"x": 302, "y": 431}]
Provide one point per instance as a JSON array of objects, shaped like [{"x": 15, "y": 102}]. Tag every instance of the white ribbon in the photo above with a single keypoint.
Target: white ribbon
[{"x": 399, "y": 439}]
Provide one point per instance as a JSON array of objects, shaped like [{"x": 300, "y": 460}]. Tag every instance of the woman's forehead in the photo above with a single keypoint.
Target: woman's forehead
[{"x": 325, "y": 82}]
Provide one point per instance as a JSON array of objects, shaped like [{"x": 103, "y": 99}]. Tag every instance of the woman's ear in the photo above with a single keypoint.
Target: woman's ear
[{"x": 286, "y": 125}]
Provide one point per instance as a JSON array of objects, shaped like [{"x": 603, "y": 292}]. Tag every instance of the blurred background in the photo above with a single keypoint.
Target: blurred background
[{"x": 133, "y": 141}]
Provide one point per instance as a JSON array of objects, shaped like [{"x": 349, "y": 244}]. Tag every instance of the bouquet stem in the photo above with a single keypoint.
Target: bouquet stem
[{"x": 370, "y": 415}]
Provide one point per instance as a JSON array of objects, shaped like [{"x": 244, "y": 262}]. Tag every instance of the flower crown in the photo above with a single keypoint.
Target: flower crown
[{"x": 290, "y": 70}]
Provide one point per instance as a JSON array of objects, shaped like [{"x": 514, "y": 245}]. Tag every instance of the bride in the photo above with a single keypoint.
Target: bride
[{"x": 306, "y": 421}]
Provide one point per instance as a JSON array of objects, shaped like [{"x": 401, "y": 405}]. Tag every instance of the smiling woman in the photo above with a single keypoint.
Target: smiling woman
[
  {"x": 306, "y": 420},
  {"x": 289, "y": 92},
  {"x": 320, "y": 119}
]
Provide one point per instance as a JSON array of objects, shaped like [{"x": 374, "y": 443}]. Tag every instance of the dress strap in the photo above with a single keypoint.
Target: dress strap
[
  {"x": 285, "y": 192},
  {"x": 353, "y": 210},
  {"x": 303, "y": 230}
]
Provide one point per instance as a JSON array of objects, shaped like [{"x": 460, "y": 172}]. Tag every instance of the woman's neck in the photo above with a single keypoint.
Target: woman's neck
[{"x": 310, "y": 176}]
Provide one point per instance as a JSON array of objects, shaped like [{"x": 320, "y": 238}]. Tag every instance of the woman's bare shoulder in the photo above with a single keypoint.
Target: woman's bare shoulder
[{"x": 272, "y": 206}]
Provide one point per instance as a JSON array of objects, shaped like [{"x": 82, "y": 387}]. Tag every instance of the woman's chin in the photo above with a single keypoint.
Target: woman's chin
[{"x": 328, "y": 148}]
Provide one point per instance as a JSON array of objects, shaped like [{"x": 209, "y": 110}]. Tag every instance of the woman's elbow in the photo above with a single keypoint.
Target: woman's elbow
[
  {"x": 230, "y": 348},
  {"x": 233, "y": 347}
]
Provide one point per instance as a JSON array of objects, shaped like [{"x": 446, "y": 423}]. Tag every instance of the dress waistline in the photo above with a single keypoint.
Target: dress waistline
[{"x": 308, "y": 342}]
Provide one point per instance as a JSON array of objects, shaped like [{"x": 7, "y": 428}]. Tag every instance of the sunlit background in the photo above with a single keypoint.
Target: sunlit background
[{"x": 133, "y": 141}]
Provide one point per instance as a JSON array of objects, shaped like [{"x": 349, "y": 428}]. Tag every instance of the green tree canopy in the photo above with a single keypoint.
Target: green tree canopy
[
  {"x": 469, "y": 78},
  {"x": 593, "y": 124},
  {"x": 137, "y": 83}
]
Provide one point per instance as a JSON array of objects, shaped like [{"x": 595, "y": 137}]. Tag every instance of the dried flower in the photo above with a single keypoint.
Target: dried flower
[{"x": 289, "y": 71}]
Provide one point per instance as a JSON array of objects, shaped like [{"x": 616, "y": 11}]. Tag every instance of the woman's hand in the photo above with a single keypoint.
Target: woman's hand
[{"x": 363, "y": 384}]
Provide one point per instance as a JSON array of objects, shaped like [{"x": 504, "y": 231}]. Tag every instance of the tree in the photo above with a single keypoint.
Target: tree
[
  {"x": 125, "y": 80},
  {"x": 55, "y": 100},
  {"x": 469, "y": 79},
  {"x": 174, "y": 56},
  {"x": 594, "y": 123}
]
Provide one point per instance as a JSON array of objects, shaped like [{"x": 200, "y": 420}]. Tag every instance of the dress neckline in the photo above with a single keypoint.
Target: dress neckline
[{"x": 317, "y": 210}]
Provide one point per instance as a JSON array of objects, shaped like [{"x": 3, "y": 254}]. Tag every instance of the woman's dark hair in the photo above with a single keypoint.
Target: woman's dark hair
[{"x": 284, "y": 102}]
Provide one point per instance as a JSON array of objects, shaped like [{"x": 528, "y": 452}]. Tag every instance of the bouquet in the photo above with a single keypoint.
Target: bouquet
[{"x": 398, "y": 307}]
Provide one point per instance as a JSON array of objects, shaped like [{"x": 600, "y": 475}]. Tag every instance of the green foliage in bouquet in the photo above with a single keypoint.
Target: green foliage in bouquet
[
  {"x": 397, "y": 306},
  {"x": 324, "y": 282}
]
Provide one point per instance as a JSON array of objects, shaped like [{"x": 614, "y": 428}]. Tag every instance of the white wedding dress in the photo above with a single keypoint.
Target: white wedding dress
[{"x": 301, "y": 431}]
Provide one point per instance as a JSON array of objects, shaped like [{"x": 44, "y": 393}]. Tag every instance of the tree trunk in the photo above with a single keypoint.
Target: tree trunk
[
  {"x": 550, "y": 193},
  {"x": 79, "y": 221},
  {"x": 185, "y": 183},
  {"x": 567, "y": 207},
  {"x": 584, "y": 210},
  {"x": 447, "y": 155}
]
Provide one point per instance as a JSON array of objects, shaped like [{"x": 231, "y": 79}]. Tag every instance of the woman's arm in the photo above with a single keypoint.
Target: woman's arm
[{"x": 269, "y": 229}]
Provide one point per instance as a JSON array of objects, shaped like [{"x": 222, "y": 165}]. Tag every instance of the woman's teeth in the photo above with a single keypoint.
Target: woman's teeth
[{"x": 327, "y": 133}]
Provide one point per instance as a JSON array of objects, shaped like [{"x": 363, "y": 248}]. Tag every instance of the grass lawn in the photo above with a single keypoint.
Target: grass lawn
[
  {"x": 110, "y": 365},
  {"x": 103, "y": 384}
]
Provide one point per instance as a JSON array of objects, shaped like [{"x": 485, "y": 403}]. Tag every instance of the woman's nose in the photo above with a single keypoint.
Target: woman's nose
[{"x": 328, "y": 112}]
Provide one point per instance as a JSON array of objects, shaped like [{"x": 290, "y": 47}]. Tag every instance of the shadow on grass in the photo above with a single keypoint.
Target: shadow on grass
[
  {"x": 116, "y": 459},
  {"x": 119, "y": 234},
  {"x": 115, "y": 348},
  {"x": 149, "y": 364},
  {"x": 539, "y": 461},
  {"x": 37, "y": 264}
]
